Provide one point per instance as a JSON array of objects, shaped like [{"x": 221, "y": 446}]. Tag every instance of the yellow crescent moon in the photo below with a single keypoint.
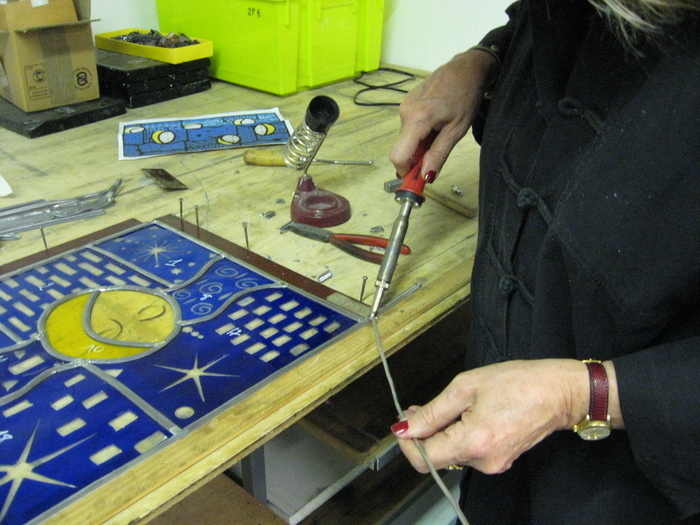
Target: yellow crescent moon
[
  {"x": 265, "y": 129},
  {"x": 123, "y": 317},
  {"x": 163, "y": 136},
  {"x": 243, "y": 121},
  {"x": 135, "y": 129},
  {"x": 228, "y": 139}
]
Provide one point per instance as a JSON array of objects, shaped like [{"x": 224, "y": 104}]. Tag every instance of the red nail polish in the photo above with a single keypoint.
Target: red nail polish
[
  {"x": 430, "y": 176},
  {"x": 400, "y": 427}
]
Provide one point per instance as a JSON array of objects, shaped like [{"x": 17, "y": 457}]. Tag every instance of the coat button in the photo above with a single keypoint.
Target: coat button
[
  {"x": 527, "y": 198},
  {"x": 508, "y": 284}
]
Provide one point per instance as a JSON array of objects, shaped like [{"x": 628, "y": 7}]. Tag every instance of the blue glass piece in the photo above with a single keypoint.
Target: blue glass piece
[
  {"x": 71, "y": 429},
  {"x": 162, "y": 252},
  {"x": 5, "y": 340},
  {"x": 19, "y": 367},
  {"x": 211, "y": 291},
  {"x": 272, "y": 329}
]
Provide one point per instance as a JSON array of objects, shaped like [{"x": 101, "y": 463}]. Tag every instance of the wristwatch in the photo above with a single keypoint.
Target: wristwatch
[{"x": 596, "y": 425}]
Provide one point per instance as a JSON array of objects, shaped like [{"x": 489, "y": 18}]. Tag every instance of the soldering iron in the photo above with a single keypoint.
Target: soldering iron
[{"x": 409, "y": 195}]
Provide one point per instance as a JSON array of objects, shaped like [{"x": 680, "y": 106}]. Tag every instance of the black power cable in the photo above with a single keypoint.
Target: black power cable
[{"x": 389, "y": 86}]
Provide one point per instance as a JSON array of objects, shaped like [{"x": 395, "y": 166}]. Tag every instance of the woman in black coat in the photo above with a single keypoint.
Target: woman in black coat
[{"x": 588, "y": 114}]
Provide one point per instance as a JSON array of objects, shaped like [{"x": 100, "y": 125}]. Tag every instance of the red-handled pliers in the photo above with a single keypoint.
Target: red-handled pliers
[{"x": 345, "y": 241}]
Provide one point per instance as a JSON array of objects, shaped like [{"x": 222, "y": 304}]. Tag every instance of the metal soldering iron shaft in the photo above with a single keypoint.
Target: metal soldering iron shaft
[{"x": 391, "y": 255}]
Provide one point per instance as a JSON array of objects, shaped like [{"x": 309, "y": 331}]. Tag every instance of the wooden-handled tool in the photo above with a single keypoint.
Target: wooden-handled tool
[
  {"x": 266, "y": 157},
  {"x": 270, "y": 157}
]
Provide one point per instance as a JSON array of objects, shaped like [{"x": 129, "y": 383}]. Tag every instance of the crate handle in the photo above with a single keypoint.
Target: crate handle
[{"x": 320, "y": 4}]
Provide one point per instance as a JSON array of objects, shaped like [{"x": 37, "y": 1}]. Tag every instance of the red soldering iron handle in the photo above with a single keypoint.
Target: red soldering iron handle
[{"x": 413, "y": 182}]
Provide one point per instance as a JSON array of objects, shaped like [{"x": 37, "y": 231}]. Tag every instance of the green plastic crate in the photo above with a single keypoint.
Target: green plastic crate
[
  {"x": 369, "y": 35},
  {"x": 255, "y": 41},
  {"x": 282, "y": 46}
]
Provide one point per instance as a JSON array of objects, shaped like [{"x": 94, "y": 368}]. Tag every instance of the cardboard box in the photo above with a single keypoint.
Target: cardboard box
[{"x": 47, "y": 56}]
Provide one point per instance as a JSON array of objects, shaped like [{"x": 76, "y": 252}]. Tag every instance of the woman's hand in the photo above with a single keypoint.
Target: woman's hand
[
  {"x": 489, "y": 416},
  {"x": 446, "y": 101}
]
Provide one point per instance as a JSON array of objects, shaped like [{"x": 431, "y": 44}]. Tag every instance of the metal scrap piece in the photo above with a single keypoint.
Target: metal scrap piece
[
  {"x": 164, "y": 179},
  {"x": 37, "y": 214}
]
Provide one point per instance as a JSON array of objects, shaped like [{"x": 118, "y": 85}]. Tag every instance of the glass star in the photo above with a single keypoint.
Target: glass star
[{"x": 195, "y": 374}]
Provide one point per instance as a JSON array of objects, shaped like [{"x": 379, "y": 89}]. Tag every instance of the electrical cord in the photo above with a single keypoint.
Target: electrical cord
[
  {"x": 389, "y": 86},
  {"x": 438, "y": 480}
]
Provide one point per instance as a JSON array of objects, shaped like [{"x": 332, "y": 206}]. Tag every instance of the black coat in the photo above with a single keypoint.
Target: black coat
[{"x": 589, "y": 247}]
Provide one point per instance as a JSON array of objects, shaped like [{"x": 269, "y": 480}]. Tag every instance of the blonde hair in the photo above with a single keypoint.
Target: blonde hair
[{"x": 633, "y": 19}]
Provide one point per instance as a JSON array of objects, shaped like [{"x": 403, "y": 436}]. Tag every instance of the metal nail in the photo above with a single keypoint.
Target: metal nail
[
  {"x": 364, "y": 285},
  {"x": 43, "y": 237},
  {"x": 245, "y": 231},
  {"x": 196, "y": 217}
]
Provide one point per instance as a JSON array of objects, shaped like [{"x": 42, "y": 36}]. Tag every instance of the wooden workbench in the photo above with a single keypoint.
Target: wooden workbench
[{"x": 228, "y": 193}]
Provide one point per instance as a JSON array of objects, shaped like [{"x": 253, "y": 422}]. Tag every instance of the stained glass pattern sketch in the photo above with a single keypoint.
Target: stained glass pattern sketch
[
  {"x": 113, "y": 349},
  {"x": 149, "y": 138}
]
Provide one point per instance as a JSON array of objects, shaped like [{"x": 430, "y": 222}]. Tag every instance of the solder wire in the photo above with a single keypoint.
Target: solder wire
[{"x": 433, "y": 472}]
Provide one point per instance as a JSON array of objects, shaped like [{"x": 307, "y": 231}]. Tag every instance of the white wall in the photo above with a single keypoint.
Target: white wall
[
  {"x": 123, "y": 14},
  {"x": 426, "y": 33},
  {"x": 421, "y": 34}
]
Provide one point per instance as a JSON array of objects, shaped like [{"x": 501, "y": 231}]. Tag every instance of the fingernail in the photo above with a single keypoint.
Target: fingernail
[
  {"x": 400, "y": 427},
  {"x": 430, "y": 176}
]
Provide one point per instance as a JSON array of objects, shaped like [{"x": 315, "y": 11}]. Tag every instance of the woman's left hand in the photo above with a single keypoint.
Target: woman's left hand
[{"x": 489, "y": 416}]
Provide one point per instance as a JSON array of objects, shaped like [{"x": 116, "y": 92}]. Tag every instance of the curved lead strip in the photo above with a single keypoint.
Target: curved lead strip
[
  {"x": 87, "y": 316},
  {"x": 230, "y": 300},
  {"x": 43, "y": 376},
  {"x": 21, "y": 344},
  {"x": 129, "y": 394},
  {"x": 204, "y": 269},
  {"x": 137, "y": 400}
]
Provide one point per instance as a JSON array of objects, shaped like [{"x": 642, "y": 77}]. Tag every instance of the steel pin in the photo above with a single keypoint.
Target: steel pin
[
  {"x": 43, "y": 237},
  {"x": 182, "y": 222},
  {"x": 362, "y": 291},
  {"x": 245, "y": 231},
  {"x": 196, "y": 217}
]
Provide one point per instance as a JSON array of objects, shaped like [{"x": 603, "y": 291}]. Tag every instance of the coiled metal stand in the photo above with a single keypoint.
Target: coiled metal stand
[{"x": 310, "y": 204}]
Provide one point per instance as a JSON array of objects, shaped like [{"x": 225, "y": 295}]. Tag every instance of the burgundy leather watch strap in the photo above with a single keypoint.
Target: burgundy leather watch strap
[{"x": 598, "y": 408}]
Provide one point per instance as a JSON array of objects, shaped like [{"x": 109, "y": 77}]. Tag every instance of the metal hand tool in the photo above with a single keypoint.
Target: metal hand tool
[
  {"x": 37, "y": 214},
  {"x": 276, "y": 158},
  {"x": 409, "y": 196},
  {"x": 346, "y": 242}
]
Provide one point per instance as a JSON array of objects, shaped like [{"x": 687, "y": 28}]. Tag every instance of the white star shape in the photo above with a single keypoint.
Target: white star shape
[
  {"x": 195, "y": 374},
  {"x": 24, "y": 470},
  {"x": 164, "y": 249}
]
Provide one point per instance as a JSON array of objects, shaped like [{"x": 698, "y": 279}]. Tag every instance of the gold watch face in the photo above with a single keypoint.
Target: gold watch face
[{"x": 594, "y": 430}]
